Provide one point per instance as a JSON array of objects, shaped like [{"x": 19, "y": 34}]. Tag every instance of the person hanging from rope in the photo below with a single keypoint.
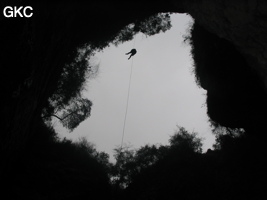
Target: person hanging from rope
[{"x": 132, "y": 52}]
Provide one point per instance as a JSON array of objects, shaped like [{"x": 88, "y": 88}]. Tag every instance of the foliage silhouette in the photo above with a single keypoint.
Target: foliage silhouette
[
  {"x": 185, "y": 140},
  {"x": 76, "y": 112},
  {"x": 131, "y": 164},
  {"x": 149, "y": 26},
  {"x": 230, "y": 171},
  {"x": 54, "y": 168}
]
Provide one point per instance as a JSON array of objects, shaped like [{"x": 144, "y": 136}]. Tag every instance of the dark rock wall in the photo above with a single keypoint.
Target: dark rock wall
[
  {"x": 230, "y": 55},
  {"x": 235, "y": 95},
  {"x": 243, "y": 23}
]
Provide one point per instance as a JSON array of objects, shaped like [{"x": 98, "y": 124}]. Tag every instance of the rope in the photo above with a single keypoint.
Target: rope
[{"x": 127, "y": 103}]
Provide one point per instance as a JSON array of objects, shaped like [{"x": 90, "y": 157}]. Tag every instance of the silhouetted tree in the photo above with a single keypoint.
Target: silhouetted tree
[
  {"x": 54, "y": 168},
  {"x": 72, "y": 115},
  {"x": 73, "y": 78},
  {"x": 75, "y": 113},
  {"x": 154, "y": 171},
  {"x": 170, "y": 171},
  {"x": 184, "y": 140},
  {"x": 149, "y": 26},
  {"x": 130, "y": 163},
  {"x": 148, "y": 155},
  {"x": 124, "y": 166}
]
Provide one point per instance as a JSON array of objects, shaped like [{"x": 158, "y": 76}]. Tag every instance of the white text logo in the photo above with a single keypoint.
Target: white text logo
[{"x": 18, "y": 12}]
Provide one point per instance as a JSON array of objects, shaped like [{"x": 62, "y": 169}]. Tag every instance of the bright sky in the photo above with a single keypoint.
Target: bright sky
[{"x": 163, "y": 93}]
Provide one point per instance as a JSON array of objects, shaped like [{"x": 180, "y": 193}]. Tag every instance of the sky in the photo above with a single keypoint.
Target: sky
[{"x": 163, "y": 93}]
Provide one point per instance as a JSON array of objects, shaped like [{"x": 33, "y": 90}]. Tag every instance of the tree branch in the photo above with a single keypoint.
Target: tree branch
[{"x": 61, "y": 119}]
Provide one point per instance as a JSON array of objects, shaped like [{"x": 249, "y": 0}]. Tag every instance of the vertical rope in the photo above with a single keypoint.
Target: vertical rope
[
  {"x": 127, "y": 103},
  {"x": 125, "y": 116}
]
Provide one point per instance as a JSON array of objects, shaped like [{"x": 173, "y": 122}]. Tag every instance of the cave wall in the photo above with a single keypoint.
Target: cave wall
[
  {"x": 243, "y": 23},
  {"x": 235, "y": 95},
  {"x": 232, "y": 65}
]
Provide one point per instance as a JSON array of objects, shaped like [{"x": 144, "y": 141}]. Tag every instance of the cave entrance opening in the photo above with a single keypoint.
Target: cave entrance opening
[{"x": 163, "y": 92}]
